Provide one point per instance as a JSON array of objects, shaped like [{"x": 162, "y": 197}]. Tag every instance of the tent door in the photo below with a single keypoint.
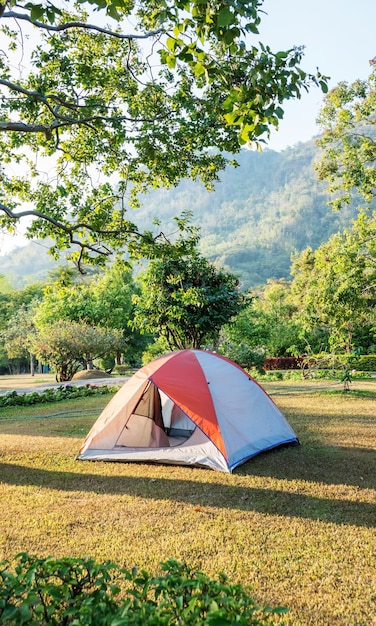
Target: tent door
[{"x": 144, "y": 428}]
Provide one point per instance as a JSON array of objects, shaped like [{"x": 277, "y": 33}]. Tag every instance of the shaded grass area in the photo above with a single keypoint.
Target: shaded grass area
[{"x": 297, "y": 524}]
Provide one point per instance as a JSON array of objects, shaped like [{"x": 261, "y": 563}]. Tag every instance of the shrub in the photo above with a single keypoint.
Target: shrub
[
  {"x": 364, "y": 362},
  {"x": 121, "y": 370},
  {"x": 243, "y": 354},
  {"x": 338, "y": 362},
  {"x": 81, "y": 591},
  {"x": 64, "y": 392}
]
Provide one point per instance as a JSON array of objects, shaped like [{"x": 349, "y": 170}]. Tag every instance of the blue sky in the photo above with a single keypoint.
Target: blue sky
[{"x": 339, "y": 38}]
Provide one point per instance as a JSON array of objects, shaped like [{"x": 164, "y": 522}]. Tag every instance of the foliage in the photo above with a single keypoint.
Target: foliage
[
  {"x": 66, "y": 345},
  {"x": 242, "y": 353},
  {"x": 352, "y": 361},
  {"x": 72, "y": 591},
  {"x": 16, "y": 308},
  {"x": 18, "y": 334},
  {"x": 333, "y": 287},
  {"x": 122, "y": 370},
  {"x": 348, "y": 119},
  {"x": 265, "y": 327},
  {"x": 183, "y": 297},
  {"x": 154, "y": 349},
  {"x": 101, "y": 299},
  {"x": 259, "y": 213},
  {"x": 66, "y": 392},
  {"x": 111, "y": 113},
  {"x": 364, "y": 362}
]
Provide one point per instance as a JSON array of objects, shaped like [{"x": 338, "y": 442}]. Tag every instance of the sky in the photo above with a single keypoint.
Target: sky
[{"x": 339, "y": 38}]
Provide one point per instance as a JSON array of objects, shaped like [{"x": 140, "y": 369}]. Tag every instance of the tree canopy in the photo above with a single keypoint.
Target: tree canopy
[
  {"x": 183, "y": 298},
  {"x": 348, "y": 119},
  {"x": 91, "y": 116},
  {"x": 334, "y": 287},
  {"x": 67, "y": 346}
]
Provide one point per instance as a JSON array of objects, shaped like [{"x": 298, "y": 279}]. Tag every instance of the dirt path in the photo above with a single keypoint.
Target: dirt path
[{"x": 25, "y": 383}]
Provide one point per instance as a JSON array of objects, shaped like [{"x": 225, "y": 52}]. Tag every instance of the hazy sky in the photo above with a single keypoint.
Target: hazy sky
[{"x": 339, "y": 38}]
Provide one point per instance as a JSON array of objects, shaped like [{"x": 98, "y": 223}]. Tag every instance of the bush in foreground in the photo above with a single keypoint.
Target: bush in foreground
[{"x": 82, "y": 592}]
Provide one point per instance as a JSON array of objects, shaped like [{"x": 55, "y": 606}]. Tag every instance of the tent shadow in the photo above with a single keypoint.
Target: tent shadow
[{"x": 211, "y": 496}]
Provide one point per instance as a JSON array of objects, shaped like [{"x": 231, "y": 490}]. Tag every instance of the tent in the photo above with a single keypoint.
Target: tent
[{"x": 190, "y": 407}]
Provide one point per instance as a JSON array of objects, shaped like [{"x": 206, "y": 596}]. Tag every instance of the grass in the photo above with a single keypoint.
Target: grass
[{"x": 297, "y": 524}]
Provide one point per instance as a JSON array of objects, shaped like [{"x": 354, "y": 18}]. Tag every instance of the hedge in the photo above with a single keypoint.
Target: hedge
[
  {"x": 362, "y": 363},
  {"x": 80, "y": 592},
  {"x": 283, "y": 363},
  {"x": 63, "y": 392}
]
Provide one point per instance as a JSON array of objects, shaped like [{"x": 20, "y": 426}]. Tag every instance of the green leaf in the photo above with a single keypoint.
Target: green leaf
[
  {"x": 171, "y": 61},
  {"x": 36, "y": 12},
  {"x": 225, "y": 17},
  {"x": 171, "y": 44},
  {"x": 199, "y": 69},
  {"x": 279, "y": 112}
]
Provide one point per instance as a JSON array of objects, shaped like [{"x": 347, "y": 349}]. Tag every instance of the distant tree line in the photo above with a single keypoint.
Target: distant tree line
[{"x": 182, "y": 301}]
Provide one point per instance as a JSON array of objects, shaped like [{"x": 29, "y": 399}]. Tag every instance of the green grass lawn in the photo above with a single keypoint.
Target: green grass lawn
[{"x": 297, "y": 524}]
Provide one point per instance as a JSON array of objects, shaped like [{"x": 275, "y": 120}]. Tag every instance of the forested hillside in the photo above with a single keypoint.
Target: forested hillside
[{"x": 259, "y": 213}]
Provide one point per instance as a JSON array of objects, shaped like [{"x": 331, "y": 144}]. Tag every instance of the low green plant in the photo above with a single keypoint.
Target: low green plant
[
  {"x": 122, "y": 370},
  {"x": 82, "y": 591},
  {"x": 64, "y": 392}
]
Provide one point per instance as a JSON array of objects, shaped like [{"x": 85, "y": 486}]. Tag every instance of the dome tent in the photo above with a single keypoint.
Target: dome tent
[{"x": 189, "y": 407}]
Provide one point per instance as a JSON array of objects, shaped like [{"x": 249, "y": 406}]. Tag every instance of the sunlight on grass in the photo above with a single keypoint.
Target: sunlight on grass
[{"x": 297, "y": 524}]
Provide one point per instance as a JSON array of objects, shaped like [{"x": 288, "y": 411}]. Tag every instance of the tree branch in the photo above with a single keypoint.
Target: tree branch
[
  {"x": 84, "y": 25},
  {"x": 72, "y": 230},
  {"x": 59, "y": 120}
]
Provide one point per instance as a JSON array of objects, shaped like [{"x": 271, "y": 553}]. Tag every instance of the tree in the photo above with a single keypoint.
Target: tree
[
  {"x": 183, "y": 297},
  {"x": 103, "y": 299},
  {"x": 265, "y": 327},
  {"x": 243, "y": 338},
  {"x": 101, "y": 113},
  {"x": 334, "y": 287},
  {"x": 276, "y": 312},
  {"x": 348, "y": 119},
  {"x": 16, "y": 312},
  {"x": 67, "y": 345},
  {"x": 17, "y": 336}
]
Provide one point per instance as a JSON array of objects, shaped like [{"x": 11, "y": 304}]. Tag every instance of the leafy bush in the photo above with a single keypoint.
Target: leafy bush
[
  {"x": 83, "y": 592},
  {"x": 243, "y": 354},
  {"x": 64, "y": 392},
  {"x": 121, "y": 370},
  {"x": 364, "y": 362}
]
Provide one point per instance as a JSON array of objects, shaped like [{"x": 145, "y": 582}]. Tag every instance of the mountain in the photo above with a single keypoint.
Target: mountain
[
  {"x": 27, "y": 264},
  {"x": 262, "y": 211},
  {"x": 259, "y": 214}
]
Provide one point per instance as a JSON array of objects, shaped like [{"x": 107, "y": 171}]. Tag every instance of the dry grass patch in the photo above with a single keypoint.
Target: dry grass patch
[{"x": 298, "y": 524}]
